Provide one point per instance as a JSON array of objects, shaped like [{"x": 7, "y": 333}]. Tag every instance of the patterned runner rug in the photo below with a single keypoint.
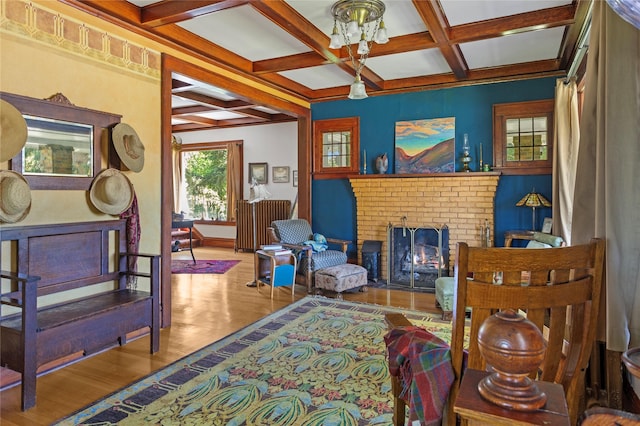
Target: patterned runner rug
[{"x": 318, "y": 361}]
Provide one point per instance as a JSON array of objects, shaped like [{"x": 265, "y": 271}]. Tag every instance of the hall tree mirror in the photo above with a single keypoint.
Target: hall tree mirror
[{"x": 64, "y": 142}]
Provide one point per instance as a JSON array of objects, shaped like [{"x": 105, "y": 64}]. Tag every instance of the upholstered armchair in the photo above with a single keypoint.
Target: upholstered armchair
[{"x": 296, "y": 234}]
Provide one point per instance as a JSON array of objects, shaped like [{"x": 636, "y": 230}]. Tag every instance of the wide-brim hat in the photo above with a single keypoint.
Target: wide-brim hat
[
  {"x": 15, "y": 197},
  {"x": 128, "y": 146},
  {"x": 111, "y": 192},
  {"x": 13, "y": 131}
]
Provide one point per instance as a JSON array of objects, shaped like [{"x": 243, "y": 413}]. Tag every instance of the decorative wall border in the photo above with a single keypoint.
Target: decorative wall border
[{"x": 31, "y": 21}]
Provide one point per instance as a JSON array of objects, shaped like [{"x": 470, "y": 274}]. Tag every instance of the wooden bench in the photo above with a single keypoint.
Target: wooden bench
[{"x": 88, "y": 261}]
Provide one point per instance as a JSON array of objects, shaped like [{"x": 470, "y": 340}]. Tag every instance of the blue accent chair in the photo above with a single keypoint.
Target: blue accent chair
[{"x": 293, "y": 233}]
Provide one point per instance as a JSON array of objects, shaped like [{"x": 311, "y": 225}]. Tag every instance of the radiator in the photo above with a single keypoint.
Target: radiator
[{"x": 266, "y": 212}]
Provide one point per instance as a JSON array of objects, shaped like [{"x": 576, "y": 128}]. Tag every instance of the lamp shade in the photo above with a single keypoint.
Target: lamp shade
[
  {"x": 533, "y": 199},
  {"x": 357, "y": 89}
]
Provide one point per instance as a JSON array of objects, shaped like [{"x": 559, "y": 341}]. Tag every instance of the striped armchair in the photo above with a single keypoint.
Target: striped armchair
[{"x": 293, "y": 233}]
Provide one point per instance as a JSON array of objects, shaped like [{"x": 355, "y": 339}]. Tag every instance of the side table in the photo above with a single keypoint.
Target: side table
[
  {"x": 275, "y": 270},
  {"x": 186, "y": 224},
  {"x": 471, "y": 406}
]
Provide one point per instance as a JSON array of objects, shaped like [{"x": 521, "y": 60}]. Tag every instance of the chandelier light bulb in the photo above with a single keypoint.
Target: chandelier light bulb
[
  {"x": 336, "y": 42},
  {"x": 357, "y": 89},
  {"x": 381, "y": 36},
  {"x": 352, "y": 28},
  {"x": 363, "y": 46}
]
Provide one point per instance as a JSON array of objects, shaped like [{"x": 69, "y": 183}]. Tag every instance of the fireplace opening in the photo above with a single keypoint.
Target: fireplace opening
[{"x": 417, "y": 256}]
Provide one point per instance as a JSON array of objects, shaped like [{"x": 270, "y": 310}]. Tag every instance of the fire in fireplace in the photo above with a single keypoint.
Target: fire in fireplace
[{"x": 417, "y": 256}]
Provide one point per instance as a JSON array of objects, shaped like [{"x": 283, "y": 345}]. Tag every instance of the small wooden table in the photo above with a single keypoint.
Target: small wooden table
[
  {"x": 186, "y": 224},
  {"x": 470, "y": 405}
]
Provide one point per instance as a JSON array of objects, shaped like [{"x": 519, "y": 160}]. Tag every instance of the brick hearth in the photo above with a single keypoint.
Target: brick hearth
[{"x": 462, "y": 201}]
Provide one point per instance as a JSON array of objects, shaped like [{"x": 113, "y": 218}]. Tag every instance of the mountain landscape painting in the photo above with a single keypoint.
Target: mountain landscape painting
[{"x": 425, "y": 146}]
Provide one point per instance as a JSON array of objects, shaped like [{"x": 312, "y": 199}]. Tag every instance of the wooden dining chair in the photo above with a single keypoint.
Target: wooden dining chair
[{"x": 558, "y": 289}]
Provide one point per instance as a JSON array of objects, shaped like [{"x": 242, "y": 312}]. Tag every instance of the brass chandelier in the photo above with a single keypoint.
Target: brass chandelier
[{"x": 358, "y": 19}]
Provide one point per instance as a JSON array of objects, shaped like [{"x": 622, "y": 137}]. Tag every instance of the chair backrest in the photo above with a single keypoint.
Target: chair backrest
[
  {"x": 557, "y": 288},
  {"x": 292, "y": 231}
]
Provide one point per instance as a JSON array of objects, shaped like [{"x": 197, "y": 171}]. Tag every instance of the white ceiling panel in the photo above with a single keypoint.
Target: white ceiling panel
[
  {"x": 245, "y": 32},
  {"x": 220, "y": 115},
  {"x": 513, "y": 49},
  {"x": 320, "y": 77},
  {"x": 465, "y": 11},
  {"x": 400, "y": 16},
  {"x": 410, "y": 64}
]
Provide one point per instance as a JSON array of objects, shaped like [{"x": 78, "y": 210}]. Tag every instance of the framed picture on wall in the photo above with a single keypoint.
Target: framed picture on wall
[
  {"x": 258, "y": 171},
  {"x": 295, "y": 178},
  {"x": 280, "y": 174}
]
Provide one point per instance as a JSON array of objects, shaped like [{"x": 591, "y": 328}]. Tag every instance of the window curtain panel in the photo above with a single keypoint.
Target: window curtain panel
[
  {"x": 234, "y": 179},
  {"x": 607, "y": 198},
  {"x": 565, "y": 156},
  {"x": 176, "y": 146}
]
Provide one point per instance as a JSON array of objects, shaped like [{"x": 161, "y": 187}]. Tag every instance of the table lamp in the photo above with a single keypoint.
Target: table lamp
[{"x": 533, "y": 200}]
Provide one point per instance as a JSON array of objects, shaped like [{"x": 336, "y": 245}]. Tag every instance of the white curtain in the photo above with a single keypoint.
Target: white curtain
[
  {"x": 607, "y": 191},
  {"x": 565, "y": 156}
]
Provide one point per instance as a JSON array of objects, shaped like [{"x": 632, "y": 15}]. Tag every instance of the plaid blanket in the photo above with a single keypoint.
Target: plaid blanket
[{"x": 423, "y": 363}]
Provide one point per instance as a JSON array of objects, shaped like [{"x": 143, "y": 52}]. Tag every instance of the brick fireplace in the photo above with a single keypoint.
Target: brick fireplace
[{"x": 461, "y": 201}]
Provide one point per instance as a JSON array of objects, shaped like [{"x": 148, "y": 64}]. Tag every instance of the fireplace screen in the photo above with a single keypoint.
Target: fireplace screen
[{"x": 417, "y": 256}]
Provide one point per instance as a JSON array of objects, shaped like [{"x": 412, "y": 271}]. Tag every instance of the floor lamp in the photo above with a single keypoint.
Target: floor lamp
[{"x": 258, "y": 193}]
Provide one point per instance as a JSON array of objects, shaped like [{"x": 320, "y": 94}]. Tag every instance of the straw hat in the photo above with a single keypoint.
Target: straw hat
[
  {"x": 128, "y": 146},
  {"x": 111, "y": 192},
  {"x": 15, "y": 197},
  {"x": 13, "y": 131}
]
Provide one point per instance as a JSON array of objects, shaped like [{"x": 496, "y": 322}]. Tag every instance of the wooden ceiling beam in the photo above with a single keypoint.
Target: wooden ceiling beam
[
  {"x": 405, "y": 43},
  {"x": 198, "y": 119},
  {"x": 570, "y": 47},
  {"x": 437, "y": 24},
  {"x": 287, "y": 18},
  {"x": 513, "y": 24},
  {"x": 191, "y": 109},
  {"x": 171, "y": 12}
]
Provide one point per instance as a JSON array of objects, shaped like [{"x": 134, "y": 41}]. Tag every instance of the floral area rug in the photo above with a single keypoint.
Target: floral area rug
[
  {"x": 318, "y": 361},
  {"x": 202, "y": 266}
]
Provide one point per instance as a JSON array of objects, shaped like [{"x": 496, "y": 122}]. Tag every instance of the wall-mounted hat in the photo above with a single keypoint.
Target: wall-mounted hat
[
  {"x": 128, "y": 146},
  {"x": 13, "y": 131},
  {"x": 111, "y": 192},
  {"x": 15, "y": 197}
]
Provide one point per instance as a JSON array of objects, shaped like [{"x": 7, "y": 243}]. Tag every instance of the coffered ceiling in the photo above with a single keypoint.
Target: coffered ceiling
[{"x": 284, "y": 44}]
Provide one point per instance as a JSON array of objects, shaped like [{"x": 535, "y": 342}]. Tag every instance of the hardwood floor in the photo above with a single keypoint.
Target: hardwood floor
[{"x": 205, "y": 309}]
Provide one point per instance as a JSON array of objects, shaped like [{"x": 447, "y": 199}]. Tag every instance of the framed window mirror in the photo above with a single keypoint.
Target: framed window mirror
[{"x": 63, "y": 148}]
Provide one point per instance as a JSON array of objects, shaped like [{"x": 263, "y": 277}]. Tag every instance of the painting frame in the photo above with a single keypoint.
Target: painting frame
[
  {"x": 425, "y": 146},
  {"x": 280, "y": 174},
  {"x": 259, "y": 172},
  {"x": 295, "y": 178},
  {"x": 547, "y": 225}
]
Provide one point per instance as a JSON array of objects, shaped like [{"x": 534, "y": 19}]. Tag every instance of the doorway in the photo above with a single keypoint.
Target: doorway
[{"x": 245, "y": 91}]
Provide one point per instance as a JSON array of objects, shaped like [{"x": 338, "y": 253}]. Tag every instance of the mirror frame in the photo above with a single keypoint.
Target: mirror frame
[{"x": 58, "y": 107}]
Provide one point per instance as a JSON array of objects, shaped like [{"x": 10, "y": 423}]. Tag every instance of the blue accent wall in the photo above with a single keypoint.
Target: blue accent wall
[{"x": 333, "y": 202}]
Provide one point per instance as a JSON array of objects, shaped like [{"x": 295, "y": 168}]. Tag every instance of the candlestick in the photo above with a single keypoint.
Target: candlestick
[
  {"x": 365, "y": 162},
  {"x": 480, "y": 157}
]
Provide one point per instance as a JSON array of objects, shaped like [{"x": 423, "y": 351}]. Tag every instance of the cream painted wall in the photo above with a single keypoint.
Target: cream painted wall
[
  {"x": 275, "y": 144},
  {"x": 37, "y": 70}
]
